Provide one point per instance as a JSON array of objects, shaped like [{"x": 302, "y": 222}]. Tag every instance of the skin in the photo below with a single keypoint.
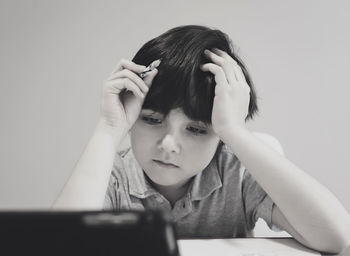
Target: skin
[
  {"x": 174, "y": 139},
  {"x": 325, "y": 229},
  {"x": 170, "y": 139},
  {"x": 304, "y": 207}
]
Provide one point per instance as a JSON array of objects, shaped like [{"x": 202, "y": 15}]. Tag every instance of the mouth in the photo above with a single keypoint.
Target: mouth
[{"x": 162, "y": 164}]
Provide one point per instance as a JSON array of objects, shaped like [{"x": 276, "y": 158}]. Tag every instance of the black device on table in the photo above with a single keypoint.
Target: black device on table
[{"x": 87, "y": 233}]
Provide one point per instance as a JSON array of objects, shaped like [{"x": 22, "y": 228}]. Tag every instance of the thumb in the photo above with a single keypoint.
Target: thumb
[{"x": 150, "y": 76}]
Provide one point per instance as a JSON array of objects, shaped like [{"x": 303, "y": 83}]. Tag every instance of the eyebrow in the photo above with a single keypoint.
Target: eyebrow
[
  {"x": 200, "y": 122},
  {"x": 152, "y": 112}
]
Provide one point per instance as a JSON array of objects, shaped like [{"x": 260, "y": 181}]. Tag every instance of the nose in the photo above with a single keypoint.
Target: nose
[{"x": 168, "y": 144}]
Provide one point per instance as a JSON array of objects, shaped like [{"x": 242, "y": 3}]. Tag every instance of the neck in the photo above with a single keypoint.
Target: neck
[{"x": 172, "y": 192}]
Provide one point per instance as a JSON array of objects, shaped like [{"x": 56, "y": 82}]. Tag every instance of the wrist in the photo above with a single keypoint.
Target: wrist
[
  {"x": 235, "y": 136},
  {"x": 229, "y": 130},
  {"x": 116, "y": 134}
]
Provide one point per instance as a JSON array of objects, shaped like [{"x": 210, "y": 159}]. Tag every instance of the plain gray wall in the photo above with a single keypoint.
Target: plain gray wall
[{"x": 54, "y": 56}]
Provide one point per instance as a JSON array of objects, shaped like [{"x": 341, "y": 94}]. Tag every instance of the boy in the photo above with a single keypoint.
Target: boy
[{"x": 191, "y": 153}]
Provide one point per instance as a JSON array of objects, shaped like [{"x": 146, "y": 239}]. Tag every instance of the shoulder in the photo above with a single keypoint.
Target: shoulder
[{"x": 270, "y": 141}]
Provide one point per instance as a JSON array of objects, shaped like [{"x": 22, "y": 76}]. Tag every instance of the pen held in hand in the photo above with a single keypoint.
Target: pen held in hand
[{"x": 151, "y": 67}]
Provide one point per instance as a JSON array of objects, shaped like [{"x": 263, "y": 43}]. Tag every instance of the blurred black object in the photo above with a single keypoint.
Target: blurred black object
[{"x": 87, "y": 233}]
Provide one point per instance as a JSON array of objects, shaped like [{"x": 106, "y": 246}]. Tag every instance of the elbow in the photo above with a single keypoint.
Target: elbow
[
  {"x": 333, "y": 244},
  {"x": 336, "y": 247},
  {"x": 344, "y": 242},
  {"x": 341, "y": 238},
  {"x": 334, "y": 236}
]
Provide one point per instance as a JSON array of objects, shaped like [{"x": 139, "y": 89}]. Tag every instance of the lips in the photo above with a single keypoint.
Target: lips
[{"x": 163, "y": 164}]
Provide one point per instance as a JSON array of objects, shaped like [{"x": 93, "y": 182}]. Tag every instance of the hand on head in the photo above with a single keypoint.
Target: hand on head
[{"x": 123, "y": 94}]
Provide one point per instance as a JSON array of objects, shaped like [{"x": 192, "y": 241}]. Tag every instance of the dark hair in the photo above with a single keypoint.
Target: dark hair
[{"x": 180, "y": 83}]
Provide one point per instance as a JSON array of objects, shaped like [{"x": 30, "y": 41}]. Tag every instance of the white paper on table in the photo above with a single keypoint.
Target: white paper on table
[{"x": 244, "y": 247}]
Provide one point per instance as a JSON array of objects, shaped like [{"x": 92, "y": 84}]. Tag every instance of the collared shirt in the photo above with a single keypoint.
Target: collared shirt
[{"x": 223, "y": 200}]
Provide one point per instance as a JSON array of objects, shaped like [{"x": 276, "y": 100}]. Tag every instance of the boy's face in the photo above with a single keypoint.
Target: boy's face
[{"x": 188, "y": 145}]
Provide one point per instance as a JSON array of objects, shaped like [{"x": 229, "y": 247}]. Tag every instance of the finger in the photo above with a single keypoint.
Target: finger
[
  {"x": 131, "y": 86},
  {"x": 150, "y": 76},
  {"x": 225, "y": 63},
  {"x": 128, "y": 64},
  {"x": 127, "y": 84},
  {"x": 214, "y": 57},
  {"x": 238, "y": 70},
  {"x": 218, "y": 72},
  {"x": 125, "y": 73},
  {"x": 149, "y": 68}
]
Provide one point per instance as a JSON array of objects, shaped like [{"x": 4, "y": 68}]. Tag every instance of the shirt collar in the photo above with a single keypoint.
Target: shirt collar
[
  {"x": 207, "y": 181},
  {"x": 137, "y": 182},
  {"x": 203, "y": 184}
]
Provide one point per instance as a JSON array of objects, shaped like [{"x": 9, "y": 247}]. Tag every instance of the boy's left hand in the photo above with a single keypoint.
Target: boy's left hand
[{"x": 232, "y": 93}]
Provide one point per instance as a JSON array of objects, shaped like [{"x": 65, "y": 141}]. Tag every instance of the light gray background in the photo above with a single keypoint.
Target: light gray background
[{"x": 54, "y": 56}]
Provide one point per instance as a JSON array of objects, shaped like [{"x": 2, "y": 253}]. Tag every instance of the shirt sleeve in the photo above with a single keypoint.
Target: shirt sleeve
[
  {"x": 257, "y": 203},
  {"x": 111, "y": 197}
]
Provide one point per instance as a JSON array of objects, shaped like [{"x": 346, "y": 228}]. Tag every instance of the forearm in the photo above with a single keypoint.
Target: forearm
[
  {"x": 311, "y": 209},
  {"x": 87, "y": 185}
]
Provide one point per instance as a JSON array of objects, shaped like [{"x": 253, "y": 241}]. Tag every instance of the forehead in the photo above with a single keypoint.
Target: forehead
[{"x": 175, "y": 114}]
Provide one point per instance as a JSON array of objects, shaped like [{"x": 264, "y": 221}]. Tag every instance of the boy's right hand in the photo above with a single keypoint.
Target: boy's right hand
[{"x": 123, "y": 94}]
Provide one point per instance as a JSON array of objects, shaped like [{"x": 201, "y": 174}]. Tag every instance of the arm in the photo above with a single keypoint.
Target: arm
[
  {"x": 123, "y": 94},
  {"x": 86, "y": 188},
  {"x": 305, "y": 208}
]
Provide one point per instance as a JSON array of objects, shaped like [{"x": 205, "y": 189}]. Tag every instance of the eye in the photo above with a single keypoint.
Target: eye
[
  {"x": 196, "y": 131},
  {"x": 150, "y": 120}
]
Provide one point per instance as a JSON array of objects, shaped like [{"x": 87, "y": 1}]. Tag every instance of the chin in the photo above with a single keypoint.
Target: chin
[{"x": 162, "y": 180}]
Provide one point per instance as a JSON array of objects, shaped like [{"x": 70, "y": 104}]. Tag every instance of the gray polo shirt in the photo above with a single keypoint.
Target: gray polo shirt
[{"x": 223, "y": 201}]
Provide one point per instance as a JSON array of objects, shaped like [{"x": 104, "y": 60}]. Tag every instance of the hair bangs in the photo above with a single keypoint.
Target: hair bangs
[{"x": 180, "y": 83}]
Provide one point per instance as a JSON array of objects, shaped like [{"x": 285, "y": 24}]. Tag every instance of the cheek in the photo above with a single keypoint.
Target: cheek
[
  {"x": 195, "y": 155},
  {"x": 199, "y": 154},
  {"x": 143, "y": 142},
  {"x": 139, "y": 137}
]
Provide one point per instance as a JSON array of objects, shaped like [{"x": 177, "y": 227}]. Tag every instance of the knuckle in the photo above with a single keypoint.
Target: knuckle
[
  {"x": 214, "y": 67},
  {"x": 232, "y": 61},
  {"x": 125, "y": 71},
  {"x": 226, "y": 65},
  {"x": 220, "y": 69},
  {"x": 125, "y": 81},
  {"x": 124, "y": 61},
  {"x": 221, "y": 61}
]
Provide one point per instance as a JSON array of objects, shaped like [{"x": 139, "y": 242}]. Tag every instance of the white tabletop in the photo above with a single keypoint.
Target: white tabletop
[{"x": 244, "y": 247}]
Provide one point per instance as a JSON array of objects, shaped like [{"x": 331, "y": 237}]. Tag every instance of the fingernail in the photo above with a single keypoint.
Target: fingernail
[{"x": 206, "y": 51}]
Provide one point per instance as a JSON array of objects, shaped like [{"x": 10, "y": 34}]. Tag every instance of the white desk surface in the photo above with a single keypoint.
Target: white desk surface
[{"x": 245, "y": 247}]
